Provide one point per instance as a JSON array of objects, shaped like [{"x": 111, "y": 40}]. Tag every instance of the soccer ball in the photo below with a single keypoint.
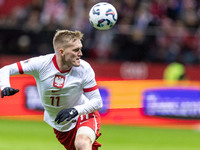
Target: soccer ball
[{"x": 103, "y": 16}]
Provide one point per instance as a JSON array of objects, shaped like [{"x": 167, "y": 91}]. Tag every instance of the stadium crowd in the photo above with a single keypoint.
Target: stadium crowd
[{"x": 147, "y": 30}]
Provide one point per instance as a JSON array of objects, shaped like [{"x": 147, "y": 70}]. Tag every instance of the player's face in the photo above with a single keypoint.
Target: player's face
[{"x": 73, "y": 53}]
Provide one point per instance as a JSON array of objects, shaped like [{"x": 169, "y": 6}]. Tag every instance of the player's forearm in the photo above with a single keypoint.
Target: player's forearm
[
  {"x": 94, "y": 103},
  {"x": 5, "y": 73},
  {"x": 88, "y": 107},
  {"x": 4, "y": 77}
]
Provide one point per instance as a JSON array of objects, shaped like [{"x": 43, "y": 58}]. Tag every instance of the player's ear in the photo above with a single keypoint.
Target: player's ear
[{"x": 61, "y": 51}]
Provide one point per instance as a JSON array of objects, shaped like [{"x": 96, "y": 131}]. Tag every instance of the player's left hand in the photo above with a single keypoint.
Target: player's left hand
[{"x": 66, "y": 114}]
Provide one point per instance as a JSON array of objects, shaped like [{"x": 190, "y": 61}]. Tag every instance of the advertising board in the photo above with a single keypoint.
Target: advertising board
[
  {"x": 172, "y": 102},
  {"x": 126, "y": 102}
]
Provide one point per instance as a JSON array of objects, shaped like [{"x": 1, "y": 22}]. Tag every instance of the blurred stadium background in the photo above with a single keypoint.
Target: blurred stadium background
[{"x": 147, "y": 69}]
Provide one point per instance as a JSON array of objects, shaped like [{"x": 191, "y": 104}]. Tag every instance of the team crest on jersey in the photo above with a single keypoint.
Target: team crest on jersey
[{"x": 59, "y": 81}]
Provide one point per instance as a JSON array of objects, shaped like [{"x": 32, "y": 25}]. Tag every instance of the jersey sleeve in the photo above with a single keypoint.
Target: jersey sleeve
[
  {"x": 30, "y": 66},
  {"x": 91, "y": 93},
  {"x": 93, "y": 103},
  {"x": 5, "y": 73},
  {"x": 89, "y": 82}
]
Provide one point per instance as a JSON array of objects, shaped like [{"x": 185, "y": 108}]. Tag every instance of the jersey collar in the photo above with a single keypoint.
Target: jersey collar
[{"x": 56, "y": 65}]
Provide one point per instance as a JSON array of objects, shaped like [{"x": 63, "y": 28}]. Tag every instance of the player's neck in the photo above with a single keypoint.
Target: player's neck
[
  {"x": 62, "y": 64},
  {"x": 64, "y": 67}
]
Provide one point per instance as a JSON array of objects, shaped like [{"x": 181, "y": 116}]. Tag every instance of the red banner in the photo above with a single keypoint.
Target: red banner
[{"x": 122, "y": 102}]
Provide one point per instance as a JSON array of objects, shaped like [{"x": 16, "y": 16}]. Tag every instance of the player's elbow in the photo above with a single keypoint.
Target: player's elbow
[{"x": 99, "y": 104}]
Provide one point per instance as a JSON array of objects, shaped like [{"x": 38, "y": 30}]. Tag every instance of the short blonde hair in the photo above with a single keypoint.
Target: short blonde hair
[{"x": 62, "y": 38}]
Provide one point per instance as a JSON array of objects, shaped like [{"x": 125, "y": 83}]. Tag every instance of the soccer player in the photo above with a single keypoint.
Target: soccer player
[{"x": 67, "y": 88}]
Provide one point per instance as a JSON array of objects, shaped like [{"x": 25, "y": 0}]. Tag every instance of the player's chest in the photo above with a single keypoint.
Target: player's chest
[{"x": 57, "y": 81}]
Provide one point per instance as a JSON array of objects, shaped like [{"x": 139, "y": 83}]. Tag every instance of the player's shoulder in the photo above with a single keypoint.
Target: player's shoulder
[
  {"x": 84, "y": 67},
  {"x": 46, "y": 57},
  {"x": 38, "y": 62},
  {"x": 84, "y": 64},
  {"x": 42, "y": 59}
]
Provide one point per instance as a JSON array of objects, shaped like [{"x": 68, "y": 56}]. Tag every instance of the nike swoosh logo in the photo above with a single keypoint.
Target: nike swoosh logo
[
  {"x": 71, "y": 112},
  {"x": 83, "y": 122},
  {"x": 53, "y": 91}
]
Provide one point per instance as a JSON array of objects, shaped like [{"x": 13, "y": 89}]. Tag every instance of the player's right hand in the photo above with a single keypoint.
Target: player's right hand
[
  {"x": 8, "y": 91},
  {"x": 66, "y": 114}
]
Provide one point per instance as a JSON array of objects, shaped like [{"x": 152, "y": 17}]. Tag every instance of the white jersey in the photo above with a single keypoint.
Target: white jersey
[{"x": 59, "y": 89}]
